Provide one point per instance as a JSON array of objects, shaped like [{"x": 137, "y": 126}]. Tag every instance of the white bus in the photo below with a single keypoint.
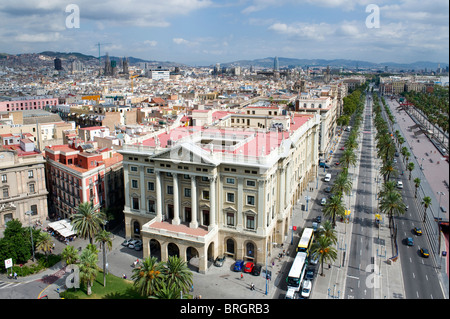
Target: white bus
[
  {"x": 295, "y": 276},
  {"x": 305, "y": 243}
]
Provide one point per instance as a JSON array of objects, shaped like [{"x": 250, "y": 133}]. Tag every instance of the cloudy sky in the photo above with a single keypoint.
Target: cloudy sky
[{"x": 203, "y": 32}]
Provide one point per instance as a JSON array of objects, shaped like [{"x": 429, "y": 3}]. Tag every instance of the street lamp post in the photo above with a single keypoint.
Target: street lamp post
[
  {"x": 29, "y": 212},
  {"x": 439, "y": 219}
]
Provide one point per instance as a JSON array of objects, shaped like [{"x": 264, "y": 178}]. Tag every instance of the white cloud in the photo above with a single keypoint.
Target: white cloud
[{"x": 180, "y": 41}]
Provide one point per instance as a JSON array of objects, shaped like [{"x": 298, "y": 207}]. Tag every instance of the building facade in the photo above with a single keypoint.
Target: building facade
[
  {"x": 203, "y": 192},
  {"x": 23, "y": 193},
  {"x": 75, "y": 176}
]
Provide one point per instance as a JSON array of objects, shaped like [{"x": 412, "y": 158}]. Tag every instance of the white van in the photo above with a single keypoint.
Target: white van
[{"x": 327, "y": 178}]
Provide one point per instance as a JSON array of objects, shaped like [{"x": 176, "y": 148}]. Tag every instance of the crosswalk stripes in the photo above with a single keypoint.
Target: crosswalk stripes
[{"x": 4, "y": 285}]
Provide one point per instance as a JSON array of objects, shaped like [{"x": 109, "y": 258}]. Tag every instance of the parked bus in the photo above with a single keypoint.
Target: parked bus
[
  {"x": 304, "y": 245},
  {"x": 298, "y": 269}
]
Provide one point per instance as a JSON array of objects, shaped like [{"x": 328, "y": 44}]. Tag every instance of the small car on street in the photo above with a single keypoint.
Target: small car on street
[
  {"x": 418, "y": 231},
  {"x": 256, "y": 270},
  {"x": 306, "y": 288},
  {"x": 424, "y": 252},
  {"x": 238, "y": 265},
  {"x": 249, "y": 267},
  {"x": 219, "y": 261},
  {"x": 409, "y": 241}
]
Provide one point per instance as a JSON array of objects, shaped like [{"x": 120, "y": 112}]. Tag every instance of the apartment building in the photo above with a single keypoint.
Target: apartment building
[
  {"x": 205, "y": 191},
  {"x": 327, "y": 107},
  {"x": 23, "y": 194},
  {"x": 27, "y": 103},
  {"x": 76, "y": 174}
]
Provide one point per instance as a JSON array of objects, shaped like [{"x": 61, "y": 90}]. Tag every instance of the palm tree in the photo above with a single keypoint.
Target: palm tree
[
  {"x": 87, "y": 221},
  {"x": 333, "y": 208},
  {"x": 88, "y": 268},
  {"x": 342, "y": 184},
  {"x": 70, "y": 255},
  {"x": 392, "y": 204},
  {"x": 44, "y": 242},
  {"x": 149, "y": 276},
  {"x": 426, "y": 202},
  {"x": 328, "y": 231},
  {"x": 410, "y": 168},
  {"x": 168, "y": 291},
  {"x": 348, "y": 158},
  {"x": 176, "y": 272},
  {"x": 104, "y": 238},
  {"x": 388, "y": 187},
  {"x": 387, "y": 169},
  {"x": 416, "y": 185},
  {"x": 323, "y": 249}
]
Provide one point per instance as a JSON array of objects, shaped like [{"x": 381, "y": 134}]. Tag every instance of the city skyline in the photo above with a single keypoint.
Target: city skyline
[{"x": 205, "y": 32}]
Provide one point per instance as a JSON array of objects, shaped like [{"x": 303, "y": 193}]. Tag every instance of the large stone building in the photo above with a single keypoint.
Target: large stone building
[
  {"x": 203, "y": 191},
  {"x": 23, "y": 193}
]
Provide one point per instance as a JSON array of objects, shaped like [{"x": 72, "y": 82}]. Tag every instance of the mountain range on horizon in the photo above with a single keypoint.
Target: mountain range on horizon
[{"x": 267, "y": 62}]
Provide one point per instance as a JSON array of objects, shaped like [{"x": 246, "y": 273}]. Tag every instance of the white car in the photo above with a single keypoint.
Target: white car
[
  {"x": 306, "y": 288},
  {"x": 400, "y": 184}
]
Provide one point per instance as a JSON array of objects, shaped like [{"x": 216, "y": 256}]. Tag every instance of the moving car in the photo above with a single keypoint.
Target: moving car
[
  {"x": 238, "y": 265},
  {"x": 342, "y": 148},
  {"x": 418, "y": 231},
  {"x": 309, "y": 274},
  {"x": 318, "y": 219},
  {"x": 327, "y": 178},
  {"x": 409, "y": 241},
  {"x": 328, "y": 189},
  {"x": 249, "y": 267},
  {"x": 219, "y": 261},
  {"x": 400, "y": 184},
  {"x": 306, "y": 288},
  {"x": 323, "y": 201},
  {"x": 424, "y": 252}
]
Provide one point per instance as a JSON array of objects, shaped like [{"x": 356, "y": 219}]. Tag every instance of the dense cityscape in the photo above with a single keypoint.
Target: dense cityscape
[{"x": 272, "y": 178}]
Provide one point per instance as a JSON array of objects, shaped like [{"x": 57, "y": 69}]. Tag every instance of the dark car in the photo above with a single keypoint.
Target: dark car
[
  {"x": 219, "y": 261},
  {"x": 256, "y": 270},
  {"x": 418, "y": 231},
  {"x": 309, "y": 274},
  {"x": 318, "y": 219},
  {"x": 328, "y": 189},
  {"x": 238, "y": 265}
]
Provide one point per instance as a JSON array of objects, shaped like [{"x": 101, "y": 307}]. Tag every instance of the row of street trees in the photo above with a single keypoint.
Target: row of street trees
[
  {"x": 390, "y": 198},
  {"x": 335, "y": 207}
]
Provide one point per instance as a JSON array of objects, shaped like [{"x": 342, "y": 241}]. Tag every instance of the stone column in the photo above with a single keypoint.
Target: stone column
[
  {"x": 194, "y": 222},
  {"x": 176, "y": 200},
  {"x": 158, "y": 197},
  {"x": 212, "y": 202}
]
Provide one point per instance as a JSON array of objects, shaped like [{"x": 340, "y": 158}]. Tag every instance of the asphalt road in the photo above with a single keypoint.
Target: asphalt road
[{"x": 361, "y": 260}]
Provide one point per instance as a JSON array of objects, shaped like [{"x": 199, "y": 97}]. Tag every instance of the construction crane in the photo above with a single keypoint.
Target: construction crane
[
  {"x": 99, "y": 64},
  {"x": 132, "y": 76}
]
